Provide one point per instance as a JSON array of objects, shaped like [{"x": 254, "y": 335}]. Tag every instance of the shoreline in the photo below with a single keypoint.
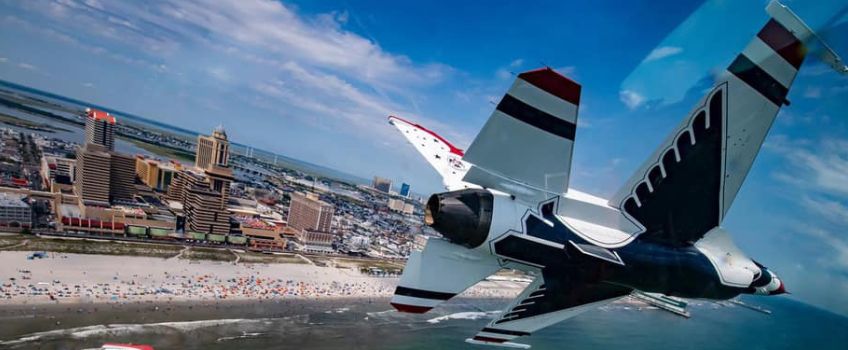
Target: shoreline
[
  {"x": 83, "y": 279},
  {"x": 19, "y": 320}
]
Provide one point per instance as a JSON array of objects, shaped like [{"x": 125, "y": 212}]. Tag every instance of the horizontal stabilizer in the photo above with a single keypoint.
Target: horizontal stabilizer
[
  {"x": 443, "y": 156},
  {"x": 439, "y": 272}
]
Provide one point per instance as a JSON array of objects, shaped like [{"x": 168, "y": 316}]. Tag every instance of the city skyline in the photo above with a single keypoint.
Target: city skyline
[{"x": 449, "y": 86}]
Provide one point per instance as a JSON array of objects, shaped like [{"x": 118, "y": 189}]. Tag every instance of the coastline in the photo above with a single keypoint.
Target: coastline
[
  {"x": 83, "y": 279},
  {"x": 21, "y": 319},
  {"x": 120, "y": 294}
]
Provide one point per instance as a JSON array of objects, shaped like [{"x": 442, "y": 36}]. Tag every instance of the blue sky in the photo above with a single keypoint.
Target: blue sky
[{"x": 316, "y": 80}]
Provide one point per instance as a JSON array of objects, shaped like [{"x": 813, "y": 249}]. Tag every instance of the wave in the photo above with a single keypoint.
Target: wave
[
  {"x": 380, "y": 313},
  {"x": 244, "y": 335},
  {"x": 473, "y": 315},
  {"x": 337, "y": 311},
  {"x": 123, "y": 329}
]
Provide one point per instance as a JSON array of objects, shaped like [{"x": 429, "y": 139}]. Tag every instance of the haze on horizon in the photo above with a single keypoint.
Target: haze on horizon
[{"x": 316, "y": 81}]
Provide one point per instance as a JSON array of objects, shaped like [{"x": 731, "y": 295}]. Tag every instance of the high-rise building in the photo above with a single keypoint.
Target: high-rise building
[
  {"x": 104, "y": 177},
  {"x": 204, "y": 190},
  {"x": 204, "y": 212},
  {"x": 212, "y": 150},
  {"x": 100, "y": 128},
  {"x": 91, "y": 183},
  {"x": 381, "y": 184},
  {"x": 121, "y": 177},
  {"x": 404, "y": 190},
  {"x": 307, "y": 212}
]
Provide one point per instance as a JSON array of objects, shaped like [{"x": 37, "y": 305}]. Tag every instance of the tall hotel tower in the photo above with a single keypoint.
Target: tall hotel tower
[{"x": 100, "y": 128}]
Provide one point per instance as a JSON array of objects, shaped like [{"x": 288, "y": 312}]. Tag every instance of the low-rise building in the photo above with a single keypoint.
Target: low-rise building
[
  {"x": 156, "y": 174},
  {"x": 57, "y": 173},
  {"x": 14, "y": 211},
  {"x": 317, "y": 241},
  {"x": 262, "y": 235}
]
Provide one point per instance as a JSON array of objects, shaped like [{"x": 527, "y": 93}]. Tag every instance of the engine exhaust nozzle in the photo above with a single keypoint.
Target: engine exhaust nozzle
[{"x": 463, "y": 217}]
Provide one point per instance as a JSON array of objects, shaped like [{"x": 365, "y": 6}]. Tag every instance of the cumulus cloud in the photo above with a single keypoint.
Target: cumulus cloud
[
  {"x": 309, "y": 63},
  {"x": 631, "y": 99},
  {"x": 662, "y": 52},
  {"x": 820, "y": 170},
  {"x": 823, "y": 166}
]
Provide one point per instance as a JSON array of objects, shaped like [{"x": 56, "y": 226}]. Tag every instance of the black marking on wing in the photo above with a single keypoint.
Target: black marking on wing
[
  {"x": 524, "y": 250},
  {"x": 683, "y": 205},
  {"x": 560, "y": 294}
]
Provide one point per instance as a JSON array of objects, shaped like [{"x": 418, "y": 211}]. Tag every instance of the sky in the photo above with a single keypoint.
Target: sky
[{"x": 316, "y": 80}]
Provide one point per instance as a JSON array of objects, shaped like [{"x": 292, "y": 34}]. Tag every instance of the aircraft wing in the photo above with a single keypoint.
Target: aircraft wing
[
  {"x": 687, "y": 186},
  {"x": 525, "y": 147},
  {"x": 548, "y": 300}
]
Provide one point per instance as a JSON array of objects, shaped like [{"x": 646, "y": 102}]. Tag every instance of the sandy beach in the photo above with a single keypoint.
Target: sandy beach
[{"x": 79, "y": 279}]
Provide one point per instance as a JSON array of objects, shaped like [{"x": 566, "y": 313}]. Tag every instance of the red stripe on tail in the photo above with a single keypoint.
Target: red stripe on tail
[{"x": 553, "y": 83}]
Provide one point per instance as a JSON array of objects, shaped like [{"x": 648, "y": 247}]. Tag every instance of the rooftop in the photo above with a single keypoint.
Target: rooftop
[
  {"x": 100, "y": 115},
  {"x": 12, "y": 200}
]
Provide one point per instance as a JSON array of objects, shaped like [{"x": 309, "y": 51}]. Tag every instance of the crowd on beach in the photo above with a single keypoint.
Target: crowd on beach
[{"x": 193, "y": 282}]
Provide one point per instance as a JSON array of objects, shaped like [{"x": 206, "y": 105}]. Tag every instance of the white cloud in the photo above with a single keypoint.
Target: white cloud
[
  {"x": 516, "y": 63},
  {"x": 662, "y": 52},
  {"x": 813, "y": 92},
  {"x": 832, "y": 210},
  {"x": 838, "y": 244},
  {"x": 503, "y": 74},
  {"x": 4, "y": 60},
  {"x": 336, "y": 75},
  {"x": 27, "y": 66},
  {"x": 88, "y": 85},
  {"x": 820, "y": 171},
  {"x": 822, "y": 167},
  {"x": 568, "y": 71},
  {"x": 631, "y": 99}
]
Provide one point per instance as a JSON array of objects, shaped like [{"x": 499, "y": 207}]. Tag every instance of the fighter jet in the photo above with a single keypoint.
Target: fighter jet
[{"x": 508, "y": 205}]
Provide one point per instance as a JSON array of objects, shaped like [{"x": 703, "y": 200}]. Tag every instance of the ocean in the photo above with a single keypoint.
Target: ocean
[{"x": 362, "y": 324}]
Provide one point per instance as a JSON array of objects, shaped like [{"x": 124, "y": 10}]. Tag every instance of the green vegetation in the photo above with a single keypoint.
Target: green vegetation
[
  {"x": 18, "y": 242},
  {"x": 79, "y": 246},
  {"x": 354, "y": 263},
  {"x": 23, "y": 123},
  {"x": 195, "y": 253},
  {"x": 7, "y": 241},
  {"x": 248, "y": 257},
  {"x": 161, "y": 150}
]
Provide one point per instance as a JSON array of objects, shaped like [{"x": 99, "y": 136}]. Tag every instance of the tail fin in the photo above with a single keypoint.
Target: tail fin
[
  {"x": 440, "y": 153},
  {"x": 687, "y": 186}
]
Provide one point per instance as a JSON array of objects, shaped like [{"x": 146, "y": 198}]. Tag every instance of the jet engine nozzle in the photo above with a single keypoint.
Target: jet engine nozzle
[
  {"x": 463, "y": 217},
  {"x": 767, "y": 283}
]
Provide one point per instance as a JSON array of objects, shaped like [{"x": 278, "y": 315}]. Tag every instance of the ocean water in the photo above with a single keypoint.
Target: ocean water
[{"x": 374, "y": 325}]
